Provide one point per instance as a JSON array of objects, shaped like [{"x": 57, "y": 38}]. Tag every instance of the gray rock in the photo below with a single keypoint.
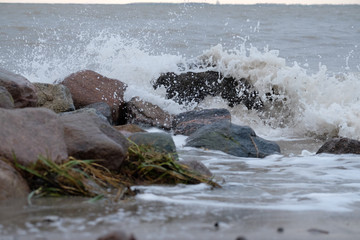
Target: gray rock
[
  {"x": 340, "y": 146},
  {"x": 30, "y": 132},
  {"x": 188, "y": 122},
  {"x": 89, "y": 137},
  {"x": 21, "y": 89},
  {"x": 117, "y": 235},
  {"x": 56, "y": 97},
  {"x": 236, "y": 140},
  {"x": 162, "y": 142},
  {"x": 86, "y": 110},
  {"x": 103, "y": 109},
  {"x": 6, "y": 100},
  {"x": 12, "y": 184},
  {"x": 148, "y": 114},
  {"x": 197, "y": 166}
]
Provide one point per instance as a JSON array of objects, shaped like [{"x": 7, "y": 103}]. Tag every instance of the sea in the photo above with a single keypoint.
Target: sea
[{"x": 310, "y": 55}]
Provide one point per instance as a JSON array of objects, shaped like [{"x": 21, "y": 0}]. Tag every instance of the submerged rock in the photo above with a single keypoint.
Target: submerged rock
[
  {"x": 197, "y": 166},
  {"x": 340, "y": 146},
  {"x": 30, "y": 132},
  {"x": 87, "y": 136},
  {"x": 188, "y": 122},
  {"x": 56, "y": 97},
  {"x": 148, "y": 114},
  {"x": 21, "y": 89},
  {"x": 89, "y": 87},
  {"x": 12, "y": 184},
  {"x": 117, "y": 235},
  {"x": 236, "y": 140},
  {"x": 6, "y": 100},
  {"x": 195, "y": 86}
]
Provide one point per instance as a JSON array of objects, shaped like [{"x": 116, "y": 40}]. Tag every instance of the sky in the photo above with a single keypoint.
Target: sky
[{"x": 182, "y": 1}]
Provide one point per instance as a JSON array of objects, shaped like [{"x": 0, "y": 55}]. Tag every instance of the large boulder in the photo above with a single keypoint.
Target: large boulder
[
  {"x": 340, "y": 146},
  {"x": 56, "y": 97},
  {"x": 195, "y": 86},
  {"x": 161, "y": 142},
  {"x": 88, "y": 136},
  {"x": 188, "y": 122},
  {"x": 236, "y": 140},
  {"x": 89, "y": 87},
  {"x": 12, "y": 184},
  {"x": 21, "y": 89},
  {"x": 6, "y": 100},
  {"x": 30, "y": 132},
  {"x": 148, "y": 114}
]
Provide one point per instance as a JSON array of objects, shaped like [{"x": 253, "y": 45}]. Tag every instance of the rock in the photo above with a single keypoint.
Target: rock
[
  {"x": 197, "y": 166},
  {"x": 87, "y": 136},
  {"x": 30, "y": 132},
  {"x": 56, "y": 97},
  {"x": 21, "y": 89},
  {"x": 103, "y": 109},
  {"x": 89, "y": 87},
  {"x": 12, "y": 184},
  {"x": 236, "y": 140},
  {"x": 117, "y": 235},
  {"x": 340, "y": 146},
  {"x": 88, "y": 110},
  {"x": 128, "y": 129},
  {"x": 162, "y": 142},
  {"x": 6, "y": 100},
  {"x": 188, "y": 122},
  {"x": 148, "y": 114},
  {"x": 195, "y": 86}
]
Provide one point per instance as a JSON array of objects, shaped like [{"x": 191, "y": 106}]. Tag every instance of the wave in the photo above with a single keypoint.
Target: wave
[{"x": 298, "y": 103}]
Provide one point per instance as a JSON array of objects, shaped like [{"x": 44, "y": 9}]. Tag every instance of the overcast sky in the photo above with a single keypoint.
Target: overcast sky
[{"x": 201, "y": 1}]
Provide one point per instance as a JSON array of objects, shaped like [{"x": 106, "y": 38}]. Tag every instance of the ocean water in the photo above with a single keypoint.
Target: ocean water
[{"x": 309, "y": 54}]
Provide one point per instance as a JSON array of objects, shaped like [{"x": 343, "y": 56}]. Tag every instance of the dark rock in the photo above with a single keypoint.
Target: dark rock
[
  {"x": 197, "y": 166},
  {"x": 89, "y": 87},
  {"x": 195, "y": 86},
  {"x": 87, "y": 136},
  {"x": 128, "y": 129},
  {"x": 340, "y": 146},
  {"x": 236, "y": 140},
  {"x": 103, "y": 109},
  {"x": 21, "y": 89},
  {"x": 6, "y": 100},
  {"x": 117, "y": 235},
  {"x": 148, "y": 114},
  {"x": 30, "y": 132},
  {"x": 162, "y": 142},
  {"x": 188, "y": 122},
  {"x": 12, "y": 184},
  {"x": 56, "y": 97}
]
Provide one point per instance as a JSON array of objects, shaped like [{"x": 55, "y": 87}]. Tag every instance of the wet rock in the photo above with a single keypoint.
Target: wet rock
[
  {"x": 89, "y": 87},
  {"x": 128, "y": 129},
  {"x": 236, "y": 140},
  {"x": 6, "y": 100},
  {"x": 103, "y": 109},
  {"x": 30, "y": 132},
  {"x": 340, "y": 146},
  {"x": 117, "y": 235},
  {"x": 162, "y": 142},
  {"x": 87, "y": 136},
  {"x": 197, "y": 166},
  {"x": 145, "y": 113},
  {"x": 195, "y": 86},
  {"x": 21, "y": 89},
  {"x": 188, "y": 122},
  {"x": 56, "y": 97},
  {"x": 12, "y": 184}
]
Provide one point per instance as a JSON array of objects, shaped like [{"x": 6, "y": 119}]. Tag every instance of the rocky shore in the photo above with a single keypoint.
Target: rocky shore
[{"x": 85, "y": 117}]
